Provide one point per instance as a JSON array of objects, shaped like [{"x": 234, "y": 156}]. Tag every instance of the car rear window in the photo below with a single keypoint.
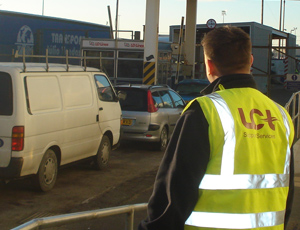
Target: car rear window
[
  {"x": 132, "y": 99},
  {"x": 6, "y": 94}
]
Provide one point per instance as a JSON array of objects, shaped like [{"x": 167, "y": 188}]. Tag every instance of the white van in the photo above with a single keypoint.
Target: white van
[{"x": 52, "y": 115}]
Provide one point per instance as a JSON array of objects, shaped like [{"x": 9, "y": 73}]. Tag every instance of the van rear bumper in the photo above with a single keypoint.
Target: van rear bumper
[{"x": 13, "y": 170}]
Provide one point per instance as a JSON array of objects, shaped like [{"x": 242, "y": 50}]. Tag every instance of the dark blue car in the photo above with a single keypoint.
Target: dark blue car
[{"x": 189, "y": 89}]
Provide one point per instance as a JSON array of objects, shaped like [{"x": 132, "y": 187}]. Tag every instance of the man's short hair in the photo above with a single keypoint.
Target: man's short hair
[{"x": 229, "y": 48}]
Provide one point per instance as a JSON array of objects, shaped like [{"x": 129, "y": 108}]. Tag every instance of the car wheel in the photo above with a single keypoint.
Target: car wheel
[
  {"x": 46, "y": 177},
  {"x": 102, "y": 157},
  {"x": 162, "y": 144}
]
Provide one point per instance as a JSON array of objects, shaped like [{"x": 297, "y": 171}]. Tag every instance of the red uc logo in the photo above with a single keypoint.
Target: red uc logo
[{"x": 252, "y": 125}]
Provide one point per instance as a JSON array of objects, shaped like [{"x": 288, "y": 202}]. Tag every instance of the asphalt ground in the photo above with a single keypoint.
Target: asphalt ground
[
  {"x": 278, "y": 94},
  {"x": 143, "y": 186}
]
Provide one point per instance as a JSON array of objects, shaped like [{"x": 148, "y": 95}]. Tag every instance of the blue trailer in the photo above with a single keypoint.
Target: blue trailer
[{"x": 37, "y": 33}]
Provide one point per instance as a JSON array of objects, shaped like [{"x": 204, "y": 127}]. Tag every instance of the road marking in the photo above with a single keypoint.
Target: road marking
[{"x": 297, "y": 181}]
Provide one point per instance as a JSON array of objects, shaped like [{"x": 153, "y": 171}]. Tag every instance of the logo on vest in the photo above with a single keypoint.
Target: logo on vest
[{"x": 252, "y": 125}]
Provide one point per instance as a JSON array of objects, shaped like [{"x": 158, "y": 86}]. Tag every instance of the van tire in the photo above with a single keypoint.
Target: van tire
[
  {"x": 103, "y": 154},
  {"x": 163, "y": 141},
  {"x": 46, "y": 177}
]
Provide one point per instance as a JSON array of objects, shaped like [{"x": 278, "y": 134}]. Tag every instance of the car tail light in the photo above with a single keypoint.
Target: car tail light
[
  {"x": 17, "y": 142},
  {"x": 151, "y": 106}
]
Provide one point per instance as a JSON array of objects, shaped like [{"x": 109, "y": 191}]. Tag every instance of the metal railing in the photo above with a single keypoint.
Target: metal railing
[
  {"x": 293, "y": 106},
  {"x": 83, "y": 59},
  {"x": 55, "y": 221}
]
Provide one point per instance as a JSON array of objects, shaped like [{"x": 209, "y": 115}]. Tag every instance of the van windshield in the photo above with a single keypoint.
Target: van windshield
[{"x": 6, "y": 96}]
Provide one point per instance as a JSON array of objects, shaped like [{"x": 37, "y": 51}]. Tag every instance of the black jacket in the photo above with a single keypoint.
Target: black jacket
[{"x": 184, "y": 164}]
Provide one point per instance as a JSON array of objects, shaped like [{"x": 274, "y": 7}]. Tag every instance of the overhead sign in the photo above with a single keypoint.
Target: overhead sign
[
  {"x": 211, "y": 23},
  {"x": 91, "y": 43}
]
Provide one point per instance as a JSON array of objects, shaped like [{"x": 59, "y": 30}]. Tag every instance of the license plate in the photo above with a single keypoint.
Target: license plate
[{"x": 126, "y": 122}]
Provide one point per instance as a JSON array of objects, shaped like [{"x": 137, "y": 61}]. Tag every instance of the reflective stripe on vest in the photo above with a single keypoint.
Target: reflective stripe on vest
[
  {"x": 288, "y": 131},
  {"x": 227, "y": 180},
  {"x": 235, "y": 221}
]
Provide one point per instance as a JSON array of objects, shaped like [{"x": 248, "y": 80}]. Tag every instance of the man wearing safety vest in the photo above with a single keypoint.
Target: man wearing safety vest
[{"x": 229, "y": 163}]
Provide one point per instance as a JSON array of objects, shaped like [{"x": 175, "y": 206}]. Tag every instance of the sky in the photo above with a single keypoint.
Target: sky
[{"x": 132, "y": 12}]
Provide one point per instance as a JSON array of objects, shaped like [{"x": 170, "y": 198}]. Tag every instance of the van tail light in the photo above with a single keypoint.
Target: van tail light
[
  {"x": 17, "y": 142},
  {"x": 151, "y": 106}
]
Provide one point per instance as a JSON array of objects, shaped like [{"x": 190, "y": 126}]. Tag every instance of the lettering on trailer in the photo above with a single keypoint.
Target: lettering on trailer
[
  {"x": 69, "y": 39},
  {"x": 57, "y": 51},
  {"x": 25, "y": 40},
  {"x": 59, "y": 41},
  {"x": 149, "y": 73}
]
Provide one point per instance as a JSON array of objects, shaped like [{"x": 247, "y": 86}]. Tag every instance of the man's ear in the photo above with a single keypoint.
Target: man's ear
[
  {"x": 210, "y": 67},
  {"x": 212, "y": 71},
  {"x": 252, "y": 58}
]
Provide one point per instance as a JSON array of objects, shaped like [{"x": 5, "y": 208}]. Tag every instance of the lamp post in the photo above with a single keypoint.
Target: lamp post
[
  {"x": 116, "y": 44},
  {"x": 280, "y": 15},
  {"x": 294, "y": 29},
  {"x": 283, "y": 20},
  {"x": 283, "y": 17},
  {"x": 262, "y": 12},
  {"x": 117, "y": 13},
  {"x": 223, "y": 14},
  {"x": 43, "y": 7}
]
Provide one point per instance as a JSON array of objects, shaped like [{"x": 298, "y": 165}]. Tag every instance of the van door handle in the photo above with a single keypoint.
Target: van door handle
[{"x": 100, "y": 109}]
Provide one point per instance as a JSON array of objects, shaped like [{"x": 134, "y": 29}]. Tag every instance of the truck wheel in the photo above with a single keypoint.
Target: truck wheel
[
  {"x": 46, "y": 177},
  {"x": 162, "y": 144},
  {"x": 102, "y": 157}
]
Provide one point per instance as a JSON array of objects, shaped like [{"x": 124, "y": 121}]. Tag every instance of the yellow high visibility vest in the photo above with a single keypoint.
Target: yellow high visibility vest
[{"x": 247, "y": 178}]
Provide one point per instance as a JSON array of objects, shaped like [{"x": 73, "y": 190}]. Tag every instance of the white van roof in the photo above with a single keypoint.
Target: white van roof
[{"x": 42, "y": 67}]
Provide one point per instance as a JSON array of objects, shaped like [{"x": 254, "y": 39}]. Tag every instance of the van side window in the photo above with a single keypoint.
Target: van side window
[
  {"x": 104, "y": 89},
  {"x": 6, "y": 94}
]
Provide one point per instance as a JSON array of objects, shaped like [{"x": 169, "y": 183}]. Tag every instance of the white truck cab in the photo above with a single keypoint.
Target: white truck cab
[{"x": 52, "y": 115}]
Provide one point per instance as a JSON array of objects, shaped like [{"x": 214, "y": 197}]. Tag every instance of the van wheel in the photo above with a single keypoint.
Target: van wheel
[
  {"x": 46, "y": 177},
  {"x": 162, "y": 144},
  {"x": 102, "y": 157}
]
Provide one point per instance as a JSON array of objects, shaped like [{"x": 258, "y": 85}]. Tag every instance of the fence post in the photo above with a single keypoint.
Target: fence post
[
  {"x": 130, "y": 220},
  {"x": 269, "y": 66}
]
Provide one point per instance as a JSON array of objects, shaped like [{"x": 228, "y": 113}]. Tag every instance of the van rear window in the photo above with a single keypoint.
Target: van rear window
[
  {"x": 132, "y": 99},
  {"x": 6, "y": 94}
]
